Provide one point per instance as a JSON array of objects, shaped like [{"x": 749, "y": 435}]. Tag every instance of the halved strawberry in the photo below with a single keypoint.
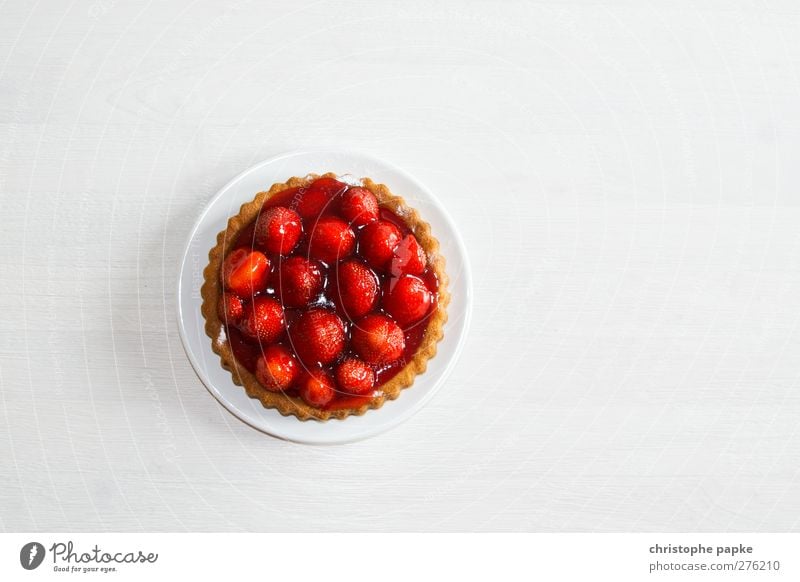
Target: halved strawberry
[
  {"x": 317, "y": 196},
  {"x": 230, "y": 308},
  {"x": 245, "y": 272},
  {"x": 277, "y": 230},
  {"x": 378, "y": 339},
  {"x": 299, "y": 281},
  {"x": 316, "y": 388},
  {"x": 277, "y": 368},
  {"x": 358, "y": 206},
  {"x": 408, "y": 257},
  {"x": 407, "y": 299},
  {"x": 355, "y": 288},
  {"x": 263, "y": 320},
  {"x": 317, "y": 336},
  {"x": 331, "y": 240},
  {"x": 377, "y": 241},
  {"x": 355, "y": 377}
]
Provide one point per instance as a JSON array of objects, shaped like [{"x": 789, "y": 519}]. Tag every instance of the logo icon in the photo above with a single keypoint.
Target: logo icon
[{"x": 31, "y": 555}]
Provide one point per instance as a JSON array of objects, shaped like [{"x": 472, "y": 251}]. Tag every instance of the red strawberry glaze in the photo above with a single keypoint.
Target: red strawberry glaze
[
  {"x": 247, "y": 351},
  {"x": 244, "y": 350},
  {"x": 343, "y": 401}
]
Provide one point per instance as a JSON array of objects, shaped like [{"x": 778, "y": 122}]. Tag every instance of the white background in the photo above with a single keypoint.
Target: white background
[{"x": 625, "y": 178}]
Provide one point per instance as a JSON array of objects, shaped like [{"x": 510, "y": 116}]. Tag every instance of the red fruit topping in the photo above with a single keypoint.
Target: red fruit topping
[
  {"x": 407, "y": 299},
  {"x": 277, "y": 368},
  {"x": 377, "y": 241},
  {"x": 355, "y": 288},
  {"x": 263, "y": 320},
  {"x": 299, "y": 281},
  {"x": 356, "y": 285},
  {"x": 331, "y": 240},
  {"x": 316, "y": 388},
  {"x": 358, "y": 206},
  {"x": 277, "y": 230},
  {"x": 317, "y": 196},
  {"x": 245, "y": 272},
  {"x": 317, "y": 336},
  {"x": 408, "y": 258},
  {"x": 230, "y": 308},
  {"x": 378, "y": 339},
  {"x": 355, "y": 377}
]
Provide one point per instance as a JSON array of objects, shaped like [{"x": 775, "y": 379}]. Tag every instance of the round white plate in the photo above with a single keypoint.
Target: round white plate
[{"x": 195, "y": 258}]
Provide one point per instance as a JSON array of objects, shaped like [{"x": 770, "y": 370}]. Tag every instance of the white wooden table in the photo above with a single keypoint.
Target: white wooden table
[{"x": 624, "y": 174}]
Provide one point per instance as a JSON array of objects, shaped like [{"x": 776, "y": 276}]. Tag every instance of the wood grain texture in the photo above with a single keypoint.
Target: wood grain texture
[{"x": 625, "y": 179}]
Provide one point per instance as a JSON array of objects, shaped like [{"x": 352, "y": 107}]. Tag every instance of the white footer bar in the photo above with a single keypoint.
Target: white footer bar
[{"x": 387, "y": 557}]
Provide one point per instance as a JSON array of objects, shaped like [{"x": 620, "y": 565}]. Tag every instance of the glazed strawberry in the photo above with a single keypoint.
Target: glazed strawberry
[
  {"x": 299, "y": 281},
  {"x": 407, "y": 299},
  {"x": 355, "y": 288},
  {"x": 331, "y": 240},
  {"x": 408, "y": 258},
  {"x": 318, "y": 196},
  {"x": 277, "y": 230},
  {"x": 378, "y": 339},
  {"x": 358, "y": 206},
  {"x": 355, "y": 377},
  {"x": 245, "y": 272},
  {"x": 277, "y": 368},
  {"x": 377, "y": 241},
  {"x": 317, "y": 336},
  {"x": 263, "y": 320},
  {"x": 316, "y": 388},
  {"x": 230, "y": 308}
]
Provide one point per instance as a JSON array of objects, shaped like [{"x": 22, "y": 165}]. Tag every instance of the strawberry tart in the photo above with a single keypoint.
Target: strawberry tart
[{"x": 325, "y": 298}]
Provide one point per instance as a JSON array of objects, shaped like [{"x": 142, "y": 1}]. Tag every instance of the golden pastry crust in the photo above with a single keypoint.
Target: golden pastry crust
[{"x": 289, "y": 405}]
